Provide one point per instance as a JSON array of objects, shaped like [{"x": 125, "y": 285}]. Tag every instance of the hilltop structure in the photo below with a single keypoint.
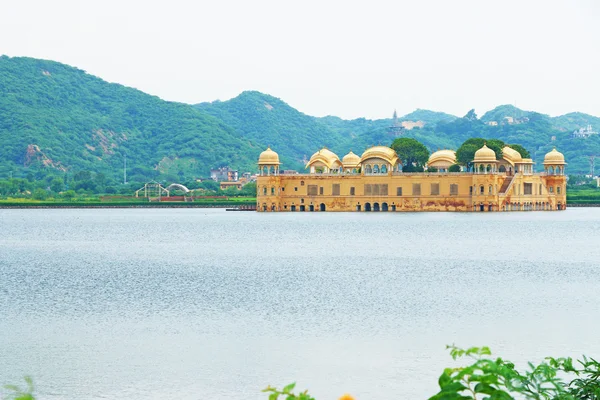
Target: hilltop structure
[
  {"x": 374, "y": 181},
  {"x": 583, "y": 133},
  {"x": 396, "y": 129}
]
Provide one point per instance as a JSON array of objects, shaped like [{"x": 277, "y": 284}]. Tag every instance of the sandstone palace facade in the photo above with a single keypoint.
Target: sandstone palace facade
[{"x": 374, "y": 182}]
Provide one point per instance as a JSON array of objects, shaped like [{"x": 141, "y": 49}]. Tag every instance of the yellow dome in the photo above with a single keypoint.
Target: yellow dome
[
  {"x": 351, "y": 160},
  {"x": 326, "y": 156},
  {"x": 511, "y": 155},
  {"x": 268, "y": 157},
  {"x": 442, "y": 157},
  {"x": 554, "y": 157},
  {"x": 485, "y": 154},
  {"x": 382, "y": 152}
]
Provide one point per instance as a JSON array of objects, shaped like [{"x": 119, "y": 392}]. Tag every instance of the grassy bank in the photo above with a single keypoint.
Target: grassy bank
[
  {"x": 125, "y": 202},
  {"x": 583, "y": 196}
]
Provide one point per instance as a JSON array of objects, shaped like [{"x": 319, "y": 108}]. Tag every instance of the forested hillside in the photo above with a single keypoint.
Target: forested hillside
[{"x": 58, "y": 121}]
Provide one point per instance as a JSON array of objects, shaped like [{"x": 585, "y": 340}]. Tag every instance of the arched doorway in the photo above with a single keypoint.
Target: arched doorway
[
  {"x": 322, "y": 207},
  {"x": 375, "y": 206},
  {"x": 481, "y": 207},
  {"x": 502, "y": 169},
  {"x": 311, "y": 208},
  {"x": 393, "y": 207},
  {"x": 367, "y": 206},
  {"x": 384, "y": 206},
  {"x": 302, "y": 208},
  {"x": 293, "y": 208},
  {"x": 358, "y": 207}
]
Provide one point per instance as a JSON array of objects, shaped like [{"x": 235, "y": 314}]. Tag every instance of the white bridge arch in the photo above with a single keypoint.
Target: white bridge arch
[{"x": 178, "y": 186}]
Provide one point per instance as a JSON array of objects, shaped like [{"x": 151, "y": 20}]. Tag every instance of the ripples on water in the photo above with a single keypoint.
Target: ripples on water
[{"x": 198, "y": 303}]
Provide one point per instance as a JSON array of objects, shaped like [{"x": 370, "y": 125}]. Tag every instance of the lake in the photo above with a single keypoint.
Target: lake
[{"x": 208, "y": 304}]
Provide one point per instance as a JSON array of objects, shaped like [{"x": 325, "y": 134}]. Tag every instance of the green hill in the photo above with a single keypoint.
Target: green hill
[
  {"x": 268, "y": 120},
  {"x": 55, "y": 118},
  {"x": 428, "y": 116},
  {"x": 58, "y": 121},
  {"x": 499, "y": 113},
  {"x": 576, "y": 120}
]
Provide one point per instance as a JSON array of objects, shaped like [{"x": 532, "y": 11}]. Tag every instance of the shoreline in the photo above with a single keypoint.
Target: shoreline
[{"x": 163, "y": 205}]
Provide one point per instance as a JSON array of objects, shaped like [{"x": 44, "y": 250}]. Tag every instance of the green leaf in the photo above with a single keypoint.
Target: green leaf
[
  {"x": 501, "y": 395},
  {"x": 453, "y": 387},
  {"x": 485, "y": 388},
  {"x": 274, "y": 396},
  {"x": 445, "y": 378},
  {"x": 289, "y": 388}
]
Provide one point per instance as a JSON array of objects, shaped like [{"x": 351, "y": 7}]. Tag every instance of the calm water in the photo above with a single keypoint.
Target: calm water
[{"x": 207, "y": 304}]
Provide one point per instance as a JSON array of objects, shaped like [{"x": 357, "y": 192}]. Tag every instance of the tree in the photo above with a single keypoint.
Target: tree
[
  {"x": 471, "y": 115},
  {"x": 454, "y": 168},
  {"x": 57, "y": 185},
  {"x": 411, "y": 152},
  {"x": 40, "y": 194},
  {"x": 210, "y": 185}
]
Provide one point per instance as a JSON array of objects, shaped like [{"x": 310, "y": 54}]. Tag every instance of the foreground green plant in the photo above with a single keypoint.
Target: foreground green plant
[
  {"x": 498, "y": 379},
  {"x": 21, "y": 394},
  {"x": 489, "y": 378},
  {"x": 287, "y": 393}
]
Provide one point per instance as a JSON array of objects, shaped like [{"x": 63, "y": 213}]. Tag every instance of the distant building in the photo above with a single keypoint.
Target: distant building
[
  {"x": 396, "y": 129},
  {"x": 583, "y": 133},
  {"x": 408, "y": 125},
  {"x": 226, "y": 185},
  {"x": 224, "y": 174}
]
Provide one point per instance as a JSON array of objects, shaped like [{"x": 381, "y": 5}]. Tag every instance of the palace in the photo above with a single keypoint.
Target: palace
[{"x": 374, "y": 181}]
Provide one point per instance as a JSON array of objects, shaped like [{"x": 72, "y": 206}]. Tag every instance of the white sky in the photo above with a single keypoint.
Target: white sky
[{"x": 346, "y": 58}]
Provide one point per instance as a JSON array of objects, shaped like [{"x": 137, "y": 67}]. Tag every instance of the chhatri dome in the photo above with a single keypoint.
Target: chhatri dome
[
  {"x": 351, "y": 160},
  {"x": 382, "y": 152},
  {"x": 324, "y": 156},
  {"x": 485, "y": 154},
  {"x": 442, "y": 156},
  {"x": 554, "y": 157},
  {"x": 269, "y": 157},
  {"x": 324, "y": 161},
  {"x": 511, "y": 155}
]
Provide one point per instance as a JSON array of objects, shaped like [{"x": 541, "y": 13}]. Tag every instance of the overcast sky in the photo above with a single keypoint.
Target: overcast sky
[{"x": 346, "y": 58}]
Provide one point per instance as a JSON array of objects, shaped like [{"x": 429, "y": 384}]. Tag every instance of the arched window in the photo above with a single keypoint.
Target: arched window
[
  {"x": 502, "y": 168},
  {"x": 375, "y": 169},
  {"x": 383, "y": 169},
  {"x": 490, "y": 190},
  {"x": 558, "y": 190},
  {"x": 265, "y": 190},
  {"x": 368, "y": 169},
  {"x": 488, "y": 168},
  {"x": 481, "y": 168},
  {"x": 481, "y": 190},
  {"x": 272, "y": 190},
  {"x": 272, "y": 170}
]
